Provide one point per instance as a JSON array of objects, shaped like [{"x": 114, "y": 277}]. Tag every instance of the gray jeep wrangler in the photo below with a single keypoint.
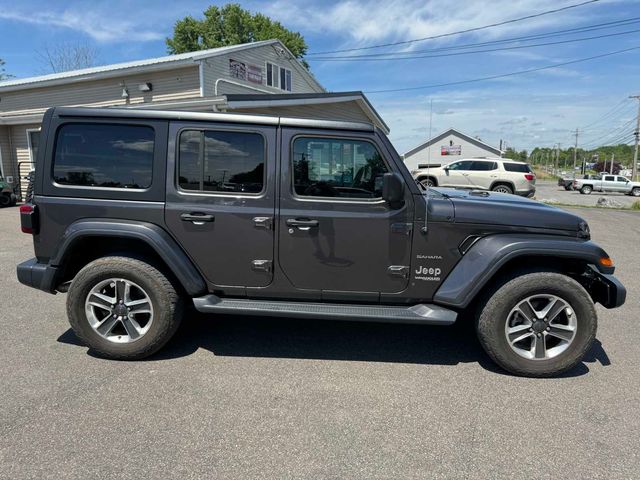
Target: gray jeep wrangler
[{"x": 135, "y": 213}]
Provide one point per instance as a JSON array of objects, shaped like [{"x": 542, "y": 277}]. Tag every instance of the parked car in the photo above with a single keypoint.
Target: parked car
[
  {"x": 608, "y": 183},
  {"x": 496, "y": 174},
  {"x": 7, "y": 196},
  {"x": 567, "y": 182},
  {"x": 135, "y": 213}
]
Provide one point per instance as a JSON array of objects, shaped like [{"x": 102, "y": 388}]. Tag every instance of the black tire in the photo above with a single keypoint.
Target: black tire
[
  {"x": 635, "y": 192},
  {"x": 428, "y": 182},
  {"x": 167, "y": 307},
  {"x": 503, "y": 188},
  {"x": 492, "y": 321},
  {"x": 586, "y": 190},
  {"x": 5, "y": 200}
]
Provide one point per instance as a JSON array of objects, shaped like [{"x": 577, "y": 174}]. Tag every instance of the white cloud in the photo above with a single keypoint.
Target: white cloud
[{"x": 102, "y": 26}]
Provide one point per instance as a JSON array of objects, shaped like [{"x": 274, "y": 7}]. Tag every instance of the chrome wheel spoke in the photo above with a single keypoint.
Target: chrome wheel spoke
[
  {"x": 562, "y": 332},
  {"x": 553, "y": 309},
  {"x": 526, "y": 310},
  {"x": 516, "y": 334},
  {"x": 101, "y": 301},
  {"x": 107, "y": 325},
  {"x": 539, "y": 347},
  {"x": 139, "y": 306},
  {"x": 121, "y": 288},
  {"x": 132, "y": 327}
]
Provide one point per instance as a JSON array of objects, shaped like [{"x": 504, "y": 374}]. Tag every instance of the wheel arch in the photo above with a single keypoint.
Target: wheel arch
[
  {"x": 495, "y": 257},
  {"x": 87, "y": 240},
  {"x": 433, "y": 178},
  {"x": 508, "y": 183}
]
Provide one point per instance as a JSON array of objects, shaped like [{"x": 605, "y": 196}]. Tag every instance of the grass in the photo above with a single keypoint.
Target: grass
[
  {"x": 542, "y": 175},
  {"x": 636, "y": 205}
]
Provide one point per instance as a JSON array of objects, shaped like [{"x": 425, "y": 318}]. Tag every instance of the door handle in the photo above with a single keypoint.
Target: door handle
[
  {"x": 302, "y": 224},
  {"x": 197, "y": 218}
]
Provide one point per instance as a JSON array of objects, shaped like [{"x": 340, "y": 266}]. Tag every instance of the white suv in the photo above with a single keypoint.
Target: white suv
[{"x": 497, "y": 174}]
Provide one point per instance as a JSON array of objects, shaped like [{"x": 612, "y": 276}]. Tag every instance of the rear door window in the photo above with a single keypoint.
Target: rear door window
[
  {"x": 104, "y": 155},
  {"x": 609, "y": 178},
  {"x": 483, "y": 166}
]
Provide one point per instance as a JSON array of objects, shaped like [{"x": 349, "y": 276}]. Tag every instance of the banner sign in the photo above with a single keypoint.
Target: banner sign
[
  {"x": 451, "y": 150},
  {"x": 244, "y": 71}
]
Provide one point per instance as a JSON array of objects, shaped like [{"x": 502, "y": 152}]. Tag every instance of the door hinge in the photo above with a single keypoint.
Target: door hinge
[
  {"x": 401, "y": 271},
  {"x": 403, "y": 228},
  {"x": 261, "y": 265},
  {"x": 263, "y": 222}
]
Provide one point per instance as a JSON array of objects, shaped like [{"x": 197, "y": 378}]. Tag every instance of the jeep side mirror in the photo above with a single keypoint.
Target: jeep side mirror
[{"x": 393, "y": 189}]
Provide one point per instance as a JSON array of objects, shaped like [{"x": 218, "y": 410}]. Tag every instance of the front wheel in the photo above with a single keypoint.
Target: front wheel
[
  {"x": 538, "y": 324},
  {"x": 123, "y": 308},
  {"x": 636, "y": 192}
]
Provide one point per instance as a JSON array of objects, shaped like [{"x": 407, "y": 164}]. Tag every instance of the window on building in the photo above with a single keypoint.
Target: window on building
[
  {"x": 483, "y": 166},
  {"x": 220, "y": 161},
  {"x": 517, "y": 167},
  {"x": 34, "y": 143},
  {"x": 331, "y": 167},
  {"x": 279, "y": 77},
  {"x": 103, "y": 155}
]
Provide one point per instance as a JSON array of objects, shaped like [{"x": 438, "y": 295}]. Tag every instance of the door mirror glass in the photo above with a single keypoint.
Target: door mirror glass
[{"x": 393, "y": 189}]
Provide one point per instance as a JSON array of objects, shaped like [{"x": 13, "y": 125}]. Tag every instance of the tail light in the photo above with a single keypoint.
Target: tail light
[
  {"x": 29, "y": 218},
  {"x": 529, "y": 176}
]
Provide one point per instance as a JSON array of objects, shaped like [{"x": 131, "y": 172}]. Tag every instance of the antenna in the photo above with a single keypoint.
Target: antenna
[{"x": 425, "y": 228}]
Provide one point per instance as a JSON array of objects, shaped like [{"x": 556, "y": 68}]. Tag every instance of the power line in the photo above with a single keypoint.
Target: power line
[
  {"x": 475, "y": 29},
  {"x": 516, "y": 47},
  {"x": 611, "y": 134},
  {"x": 569, "y": 31},
  {"x": 624, "y": 102},
  {"x": 504, "y": 75}
]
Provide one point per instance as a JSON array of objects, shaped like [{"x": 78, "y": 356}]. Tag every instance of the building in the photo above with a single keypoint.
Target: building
[
  {"x": 446, "y": 147},
  {"x": 259, "y": 77}
]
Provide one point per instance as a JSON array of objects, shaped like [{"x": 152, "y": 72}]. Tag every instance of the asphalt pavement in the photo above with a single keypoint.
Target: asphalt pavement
[
  {"x": 549, "y": 192},
  {"x": 234, "y": 397}
]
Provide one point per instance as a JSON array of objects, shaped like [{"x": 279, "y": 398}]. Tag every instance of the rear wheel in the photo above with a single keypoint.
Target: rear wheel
[
  {"x": 123, "y": 308},
  {"x": 502, "y": 188},
  {"x": 538, "y": 324},
  {"x": 586, "y": 190}
]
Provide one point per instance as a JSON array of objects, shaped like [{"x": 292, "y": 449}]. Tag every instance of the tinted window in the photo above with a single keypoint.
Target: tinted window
[
  {"x": 484, "y": 166},
  {"x": 517, "y": 167},
  {"x": 464, "y": 165},
  {"x": 34, "y": 143},
  {"x": 326, "y": 167},
  {"x": 622, "y": 179},
  {"x": 609, "y": 179},
  {"x": 103, "y": 155},
  {"x": 217, "y": 161}
]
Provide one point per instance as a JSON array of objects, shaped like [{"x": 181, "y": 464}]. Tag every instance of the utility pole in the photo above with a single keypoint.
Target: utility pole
[
  {"x": 613, "y": 155},
  {"x": 634, "y": 168},
  {"x": 575, "y": 154}
]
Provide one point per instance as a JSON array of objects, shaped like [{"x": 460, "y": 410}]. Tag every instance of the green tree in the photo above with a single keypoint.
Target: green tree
[
  {"x": 231, "y": 25},
  {"x": 3, "y": 75}
]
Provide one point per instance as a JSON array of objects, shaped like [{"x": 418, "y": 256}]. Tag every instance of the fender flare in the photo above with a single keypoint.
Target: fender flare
[
  {"x": 155, "y": 237},
  {"x": 478, "y": 266}
]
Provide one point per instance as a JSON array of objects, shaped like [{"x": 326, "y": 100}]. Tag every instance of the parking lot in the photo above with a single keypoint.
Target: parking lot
[
  {"x": 240, "y": 397},
  {"x": 550, "y": 192}
]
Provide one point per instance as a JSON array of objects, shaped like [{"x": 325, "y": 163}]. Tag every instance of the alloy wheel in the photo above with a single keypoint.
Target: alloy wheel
[
  {"x": 541, "y": 327},
  {"x": 119, "y": 310}
]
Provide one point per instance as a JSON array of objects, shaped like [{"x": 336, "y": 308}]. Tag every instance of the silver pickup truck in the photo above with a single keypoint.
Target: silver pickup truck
[{"x": 607, "y": 183}]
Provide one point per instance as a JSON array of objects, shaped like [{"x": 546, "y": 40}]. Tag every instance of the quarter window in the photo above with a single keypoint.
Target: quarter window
[
  {"x": 103, "y": 155},
  {"x": 221, "y": 161},
  {"x": 517, "y": 167},
  {"x": 328, "y": 167}
]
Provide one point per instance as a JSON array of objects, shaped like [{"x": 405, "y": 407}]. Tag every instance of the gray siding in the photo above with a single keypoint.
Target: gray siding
[
  {"x": 5, "y": 154},
  {"x": 349, "y": 111},
  {"x": 218, "y": 67},
  {"x": 167, "y": 85}
]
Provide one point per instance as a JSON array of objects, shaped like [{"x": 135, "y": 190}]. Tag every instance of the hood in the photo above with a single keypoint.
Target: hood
[{"x": 491, "y": 208}]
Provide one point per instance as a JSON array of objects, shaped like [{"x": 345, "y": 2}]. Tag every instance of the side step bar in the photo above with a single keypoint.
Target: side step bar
[{"x": 420, "y": 314}]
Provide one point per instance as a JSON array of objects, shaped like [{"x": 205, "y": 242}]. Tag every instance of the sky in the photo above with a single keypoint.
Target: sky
[{"x": 539, "y": 108}]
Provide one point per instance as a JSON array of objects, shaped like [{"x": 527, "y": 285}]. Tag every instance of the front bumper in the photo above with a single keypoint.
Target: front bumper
[
  {"x": 37, "y": 275},
  {"x": 607, "y": 289}
]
